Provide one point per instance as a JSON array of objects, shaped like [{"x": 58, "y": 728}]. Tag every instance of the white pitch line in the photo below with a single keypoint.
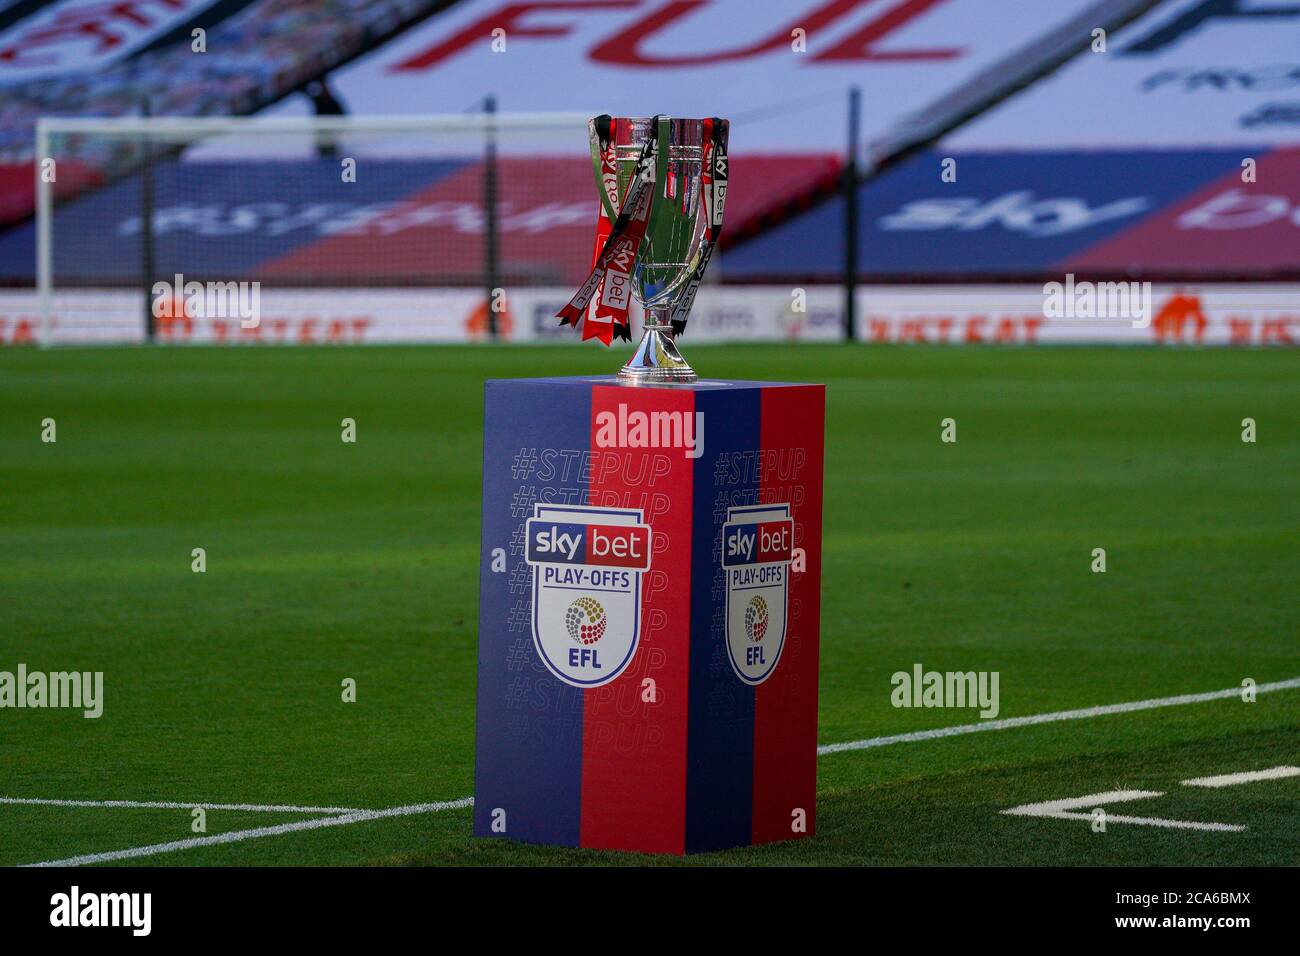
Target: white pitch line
[
  {"x": 174, "y": 805},
  {"x": 236, "y": 836},
  {"x": 1048, "y": 807},
  {"x": 1249, "y": 776},
  {"x": 1067, "y": 810},
  {"x": 362, "y": 815},
  {"x": 1154, "y": 822},
  {"x": 1034, "y": 719}
]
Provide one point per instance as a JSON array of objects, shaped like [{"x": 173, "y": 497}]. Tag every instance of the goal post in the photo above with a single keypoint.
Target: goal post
[
  {"x": 44, "y": 206},
  {"x": 329, "y": 223}
]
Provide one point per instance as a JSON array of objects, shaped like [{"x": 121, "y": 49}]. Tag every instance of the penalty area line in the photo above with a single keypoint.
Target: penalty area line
[
  {"x": 1068, "y": 808},
  {"x": 1034, "y": 719},
  {"x": 236, "y": 836}
]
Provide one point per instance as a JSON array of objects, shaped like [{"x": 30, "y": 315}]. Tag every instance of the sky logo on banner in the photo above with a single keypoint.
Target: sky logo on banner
[
  {"x": 587, "y": 566},
  {"x": 757, "y": 547}
]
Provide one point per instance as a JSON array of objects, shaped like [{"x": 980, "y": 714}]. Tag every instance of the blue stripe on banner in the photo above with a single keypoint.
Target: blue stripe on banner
[
  {"x": 1014, "y": 212},
  {"x": 529, "y": 732},
  {"x": 720, "y": 736},
  {"x": 274, "y": 214}
]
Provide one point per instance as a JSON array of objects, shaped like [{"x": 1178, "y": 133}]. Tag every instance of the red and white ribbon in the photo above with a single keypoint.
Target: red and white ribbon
[{"x": 607, "y": 293}]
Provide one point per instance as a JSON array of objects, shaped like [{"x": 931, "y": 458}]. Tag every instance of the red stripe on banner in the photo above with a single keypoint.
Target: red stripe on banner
[
  {"x": 785, "y": 705},
  {"x": 634, "y": 749}
]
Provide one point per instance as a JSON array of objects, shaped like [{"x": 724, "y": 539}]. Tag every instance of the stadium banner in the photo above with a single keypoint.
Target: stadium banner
[
  {"x": 780, "y": 67},
  {"x": 1067, "y": 311},
  {"x": 650, "y": 580},
  {"x": 1132, "y": 212},
  {"x": 293, "y": 220},
  {"x": 1081, "y": 312},
  {"x": 1189, "y": 73},
  {"x": 103, "y": 58},
  {"x": 82, "y": 36}
]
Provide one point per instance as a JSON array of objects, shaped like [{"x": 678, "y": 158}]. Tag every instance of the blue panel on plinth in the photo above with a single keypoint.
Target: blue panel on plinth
[
  {"x": 529, "y": 730},
  {"x": 720, "y": 737}
]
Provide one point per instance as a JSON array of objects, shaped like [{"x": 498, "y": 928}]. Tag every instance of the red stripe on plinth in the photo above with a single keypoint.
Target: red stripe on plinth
[
  {"x": 785, "y": 705},
  {"x": 634, "y": 749}
]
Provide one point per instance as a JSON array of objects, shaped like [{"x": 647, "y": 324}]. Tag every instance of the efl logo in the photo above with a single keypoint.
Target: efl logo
[
  {"x": 757, "y": 548},
  {"x": 626, "y": 429},
  {"x": 587, "y": 566}
]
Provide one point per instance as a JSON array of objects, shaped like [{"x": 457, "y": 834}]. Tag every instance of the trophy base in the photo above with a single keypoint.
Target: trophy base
[{"x": 656, "y": 361}]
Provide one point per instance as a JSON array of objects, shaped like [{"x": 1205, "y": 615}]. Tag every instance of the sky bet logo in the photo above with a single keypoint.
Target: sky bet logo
[
  {"x": 761, "y": 543},
  {"x": 587, "y": 565},
  {"x": 588, "y": 544},
  {"x": 757, "y": 548}
]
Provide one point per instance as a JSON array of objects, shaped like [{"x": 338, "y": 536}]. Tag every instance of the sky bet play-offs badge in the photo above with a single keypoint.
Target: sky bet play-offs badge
[
  {"x": 587, "y": 565},
  {"x": 757, "y": 546}
]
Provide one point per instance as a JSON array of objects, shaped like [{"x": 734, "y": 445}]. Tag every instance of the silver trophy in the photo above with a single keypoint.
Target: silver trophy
[{"x": 662, "y": 184}]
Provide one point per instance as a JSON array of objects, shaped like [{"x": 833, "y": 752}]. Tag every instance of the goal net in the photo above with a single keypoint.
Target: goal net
[{"x": 313, "y": 229}]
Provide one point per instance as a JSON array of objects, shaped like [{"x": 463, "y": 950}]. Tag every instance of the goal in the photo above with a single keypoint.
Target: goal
[{"x": 308, "y": 229}]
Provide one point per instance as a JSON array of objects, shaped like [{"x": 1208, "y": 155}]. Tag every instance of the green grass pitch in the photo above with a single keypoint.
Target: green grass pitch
[{"x": 328, "y": 560}]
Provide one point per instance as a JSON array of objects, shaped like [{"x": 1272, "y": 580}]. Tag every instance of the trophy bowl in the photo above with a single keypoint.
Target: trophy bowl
[
  {"x": 670, "y": 250},
  {"x": 662, "y": 184}
]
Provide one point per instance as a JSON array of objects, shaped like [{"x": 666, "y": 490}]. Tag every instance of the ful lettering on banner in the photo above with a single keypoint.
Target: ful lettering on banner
[{"x": 626, "y": 46}]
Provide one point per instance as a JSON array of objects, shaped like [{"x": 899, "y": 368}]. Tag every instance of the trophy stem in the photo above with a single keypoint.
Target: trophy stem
[{"x": 656, "y": 359}]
